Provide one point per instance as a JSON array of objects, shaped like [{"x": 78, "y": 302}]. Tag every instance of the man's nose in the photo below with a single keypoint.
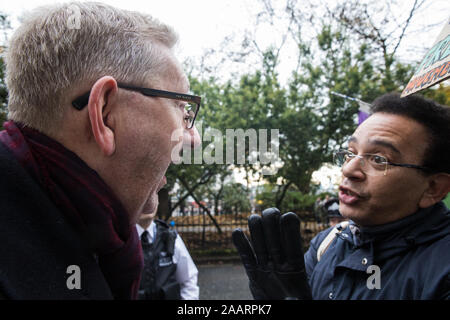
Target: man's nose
[
  {"x": 353, "y": 169},
  {"x": 191, "y": 137}
]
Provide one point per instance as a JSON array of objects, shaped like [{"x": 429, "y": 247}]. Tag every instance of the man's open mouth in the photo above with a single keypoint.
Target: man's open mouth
[{"x": 348, "y": 196}]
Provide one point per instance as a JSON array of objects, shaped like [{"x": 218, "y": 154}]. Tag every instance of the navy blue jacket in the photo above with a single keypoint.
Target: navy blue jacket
[
  {"x": 413, "y": 256},
  {"x": 37, "y": 245}
]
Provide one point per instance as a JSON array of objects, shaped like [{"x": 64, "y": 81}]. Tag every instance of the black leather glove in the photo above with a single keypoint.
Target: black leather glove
[{"x": 273, "y": 259}]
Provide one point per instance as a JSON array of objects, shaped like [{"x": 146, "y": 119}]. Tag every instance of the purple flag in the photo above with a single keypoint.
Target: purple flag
[
  {"x": 364, "y": 107},
  {"x": 364, "y": 111},
  {"x": 362, "y": 116}
]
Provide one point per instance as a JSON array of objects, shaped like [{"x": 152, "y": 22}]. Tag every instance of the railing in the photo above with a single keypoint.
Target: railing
[{"x": 201, "y": 235}]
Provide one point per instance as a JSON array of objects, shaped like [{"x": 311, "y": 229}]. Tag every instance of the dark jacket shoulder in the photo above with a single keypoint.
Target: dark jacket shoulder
[
  {"x": 162, "y": 223},
  {"x": 411, "y": 255},
  {"x": 38, "y": 246},
  {"x": 311, "y": 254}
]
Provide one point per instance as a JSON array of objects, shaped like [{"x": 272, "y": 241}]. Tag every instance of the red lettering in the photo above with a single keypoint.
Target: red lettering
[{"x": 445, "y": 69}]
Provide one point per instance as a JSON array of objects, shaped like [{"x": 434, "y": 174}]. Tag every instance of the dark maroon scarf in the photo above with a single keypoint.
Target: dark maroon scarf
[{"x": 86, "y": 201}]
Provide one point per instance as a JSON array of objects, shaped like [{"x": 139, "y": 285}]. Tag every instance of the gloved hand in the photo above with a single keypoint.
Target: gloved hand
[{"x": 273, "y": 259}]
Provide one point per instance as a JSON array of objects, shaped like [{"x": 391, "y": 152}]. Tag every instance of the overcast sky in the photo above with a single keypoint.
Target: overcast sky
[
  {"x": 203, "y": 24},
  {"x": 200, "y": 23}
]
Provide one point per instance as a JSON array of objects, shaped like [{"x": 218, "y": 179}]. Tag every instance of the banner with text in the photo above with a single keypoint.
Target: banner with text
[{"x": 435, "y": 66}]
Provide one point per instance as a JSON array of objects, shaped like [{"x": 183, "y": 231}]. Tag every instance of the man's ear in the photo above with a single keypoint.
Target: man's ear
[
  {"x": 100, "y": 100},
  {"x": 438, "y": 188}
]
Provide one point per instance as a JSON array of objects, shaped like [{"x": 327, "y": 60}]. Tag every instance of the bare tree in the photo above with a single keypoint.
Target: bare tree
[{"x": 382, "y": 24}]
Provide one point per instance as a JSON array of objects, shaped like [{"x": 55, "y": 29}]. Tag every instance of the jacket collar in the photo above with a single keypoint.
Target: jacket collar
[{"x": 423, "y": 226}]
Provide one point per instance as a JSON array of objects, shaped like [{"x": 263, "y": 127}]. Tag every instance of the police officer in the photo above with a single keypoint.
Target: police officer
[
  {"x": 333, "y": 215},
  {"x": 169, "y": 272}
]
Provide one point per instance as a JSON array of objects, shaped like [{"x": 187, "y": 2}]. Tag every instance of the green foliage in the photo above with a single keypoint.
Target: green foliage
[
  {"x": 447, "y": 200},
  {"x": 294, "y": 200},
  {"x": 298, "y": 201},
  {"x": 266, "y": 197},
  {"x": 235, "y": 199},
  {"x": 440, "y": 94}
]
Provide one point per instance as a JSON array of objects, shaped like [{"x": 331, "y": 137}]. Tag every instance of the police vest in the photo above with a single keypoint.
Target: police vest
[{"x": 158, "y": 280}]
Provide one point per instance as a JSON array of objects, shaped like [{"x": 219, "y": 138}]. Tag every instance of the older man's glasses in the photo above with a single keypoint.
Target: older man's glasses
[
  {"x": 371, "y": 164},
  {"x": 191, "y": 107}
]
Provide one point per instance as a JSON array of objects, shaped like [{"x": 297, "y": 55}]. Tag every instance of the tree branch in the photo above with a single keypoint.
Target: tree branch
[
  {"x": 191, "y": 192},
  {"x": 411, "y": 13}
]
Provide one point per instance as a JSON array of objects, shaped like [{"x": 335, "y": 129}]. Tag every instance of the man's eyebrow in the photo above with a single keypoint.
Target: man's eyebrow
[
  {"x": 385, "y": 144},
  {"x": 377, "y": 142}
]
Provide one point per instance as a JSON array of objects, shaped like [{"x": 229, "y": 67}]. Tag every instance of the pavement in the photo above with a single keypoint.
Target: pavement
[{"x": 225, "y": 281}]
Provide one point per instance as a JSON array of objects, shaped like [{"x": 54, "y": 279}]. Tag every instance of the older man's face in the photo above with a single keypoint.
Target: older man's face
[
  {"x": 155, "y": 130},
  {"x": 374, "y": 200}
]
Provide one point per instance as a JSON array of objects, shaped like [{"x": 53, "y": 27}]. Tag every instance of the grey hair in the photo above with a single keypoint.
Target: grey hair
[{"x": 61, "y": 47}]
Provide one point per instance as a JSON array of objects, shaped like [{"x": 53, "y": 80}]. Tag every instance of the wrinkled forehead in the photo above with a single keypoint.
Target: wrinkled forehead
[
  {"x": 390, "y": 125},
  {"x": 397, "y": 133}
]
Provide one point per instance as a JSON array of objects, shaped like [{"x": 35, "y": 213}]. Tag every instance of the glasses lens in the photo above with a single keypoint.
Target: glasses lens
[
  {"x": 340, "y": 158},
  {"x": 191, "y": 111},
  {"x": 371, "y": 164},
  {"x": 377, "y": 165}
]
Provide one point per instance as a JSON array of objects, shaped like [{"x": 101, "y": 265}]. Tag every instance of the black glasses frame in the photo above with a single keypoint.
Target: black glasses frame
[{"x": 80, "y": 102}]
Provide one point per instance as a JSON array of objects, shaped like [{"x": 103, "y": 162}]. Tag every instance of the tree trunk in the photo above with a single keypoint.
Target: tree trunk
[
  {"x": 208, "y": 213},
  {"x": 182, "y": 208},
  {"x": 203, "y": 229},
  {"x": 190, "y": 191},
  {"x": 180, "y": 202},
  {"x": 204, "y": 179},
  {"x": 283, "y": 194}
]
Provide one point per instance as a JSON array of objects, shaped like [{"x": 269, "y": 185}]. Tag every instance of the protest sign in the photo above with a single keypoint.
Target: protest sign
[{"x": 435, "y": 66}]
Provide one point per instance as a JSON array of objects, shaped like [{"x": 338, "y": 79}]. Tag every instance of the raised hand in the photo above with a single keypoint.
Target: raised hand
[{"x": 273, "y": 259}]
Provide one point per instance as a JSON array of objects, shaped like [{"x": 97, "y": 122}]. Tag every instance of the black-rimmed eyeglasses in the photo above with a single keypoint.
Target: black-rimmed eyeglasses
[{"x": 192, "y": 106}]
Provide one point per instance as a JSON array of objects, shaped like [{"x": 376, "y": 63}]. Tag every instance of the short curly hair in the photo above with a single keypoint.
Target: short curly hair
[{"x": 433, "y": 116}]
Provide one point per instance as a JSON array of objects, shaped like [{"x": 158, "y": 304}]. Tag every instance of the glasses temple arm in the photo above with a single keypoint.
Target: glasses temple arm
[{"x": 80, "y": 102}]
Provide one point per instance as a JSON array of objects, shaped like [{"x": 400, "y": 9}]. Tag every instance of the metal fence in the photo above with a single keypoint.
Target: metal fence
[{"x": 201, "y": 236}]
